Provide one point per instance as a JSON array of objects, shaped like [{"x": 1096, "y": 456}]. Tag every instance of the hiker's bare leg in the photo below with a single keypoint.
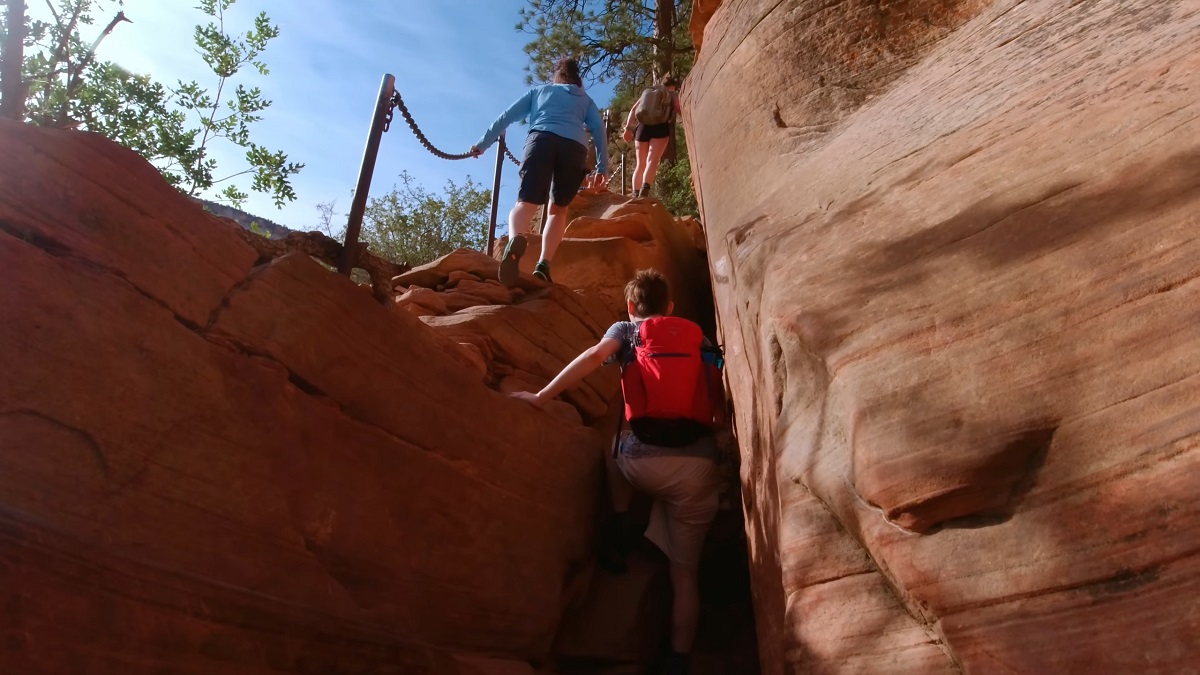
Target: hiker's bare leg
[
  {"x": 685, "y": 606},
  {"x": 642, "y": 152},
  {"x": 519, "y": 218},
  {"x": 658, "y": 146},
  {"x": 556, "y": 224}
]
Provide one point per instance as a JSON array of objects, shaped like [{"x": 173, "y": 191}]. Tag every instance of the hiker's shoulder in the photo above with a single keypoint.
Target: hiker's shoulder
[
  {"x": 547, "y": 89},
  {"x": 621, "y": 329}
]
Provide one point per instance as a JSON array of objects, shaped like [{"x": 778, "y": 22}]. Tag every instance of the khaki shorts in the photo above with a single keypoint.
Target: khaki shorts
[{"x": 685, "y": 491}]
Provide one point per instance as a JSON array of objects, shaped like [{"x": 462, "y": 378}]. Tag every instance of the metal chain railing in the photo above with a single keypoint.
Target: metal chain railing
[
  {"x": 398, "y": 102},
  {"x": 510, "y": 156},
  {"x": 385, "y": 107}
]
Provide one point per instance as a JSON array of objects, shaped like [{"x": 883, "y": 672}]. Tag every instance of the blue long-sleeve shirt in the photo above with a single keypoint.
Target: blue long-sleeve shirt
[{"x": 561, "y": 109}]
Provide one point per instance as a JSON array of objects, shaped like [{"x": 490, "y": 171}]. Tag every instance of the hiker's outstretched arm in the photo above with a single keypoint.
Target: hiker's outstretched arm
[
  {"x": 520, "y": 108},
  {"x": 595, "y": 124},
  {"x": 576, "y": 370}
]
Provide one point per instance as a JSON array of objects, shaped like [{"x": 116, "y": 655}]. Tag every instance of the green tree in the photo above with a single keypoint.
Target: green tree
[
  {"x": 40, "y": 85},
  {"x": 627, "y": 40},
  {"x": 61, "y": 85},
  {"x": 136, "y": 112},
  {"x": 228, "y": 115},
  {"x": 414, "y": 226},
  {"x": 13, "y": 30}
]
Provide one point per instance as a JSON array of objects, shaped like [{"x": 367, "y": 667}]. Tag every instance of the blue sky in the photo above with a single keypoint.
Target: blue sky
[{"x": 458, "y": 64}]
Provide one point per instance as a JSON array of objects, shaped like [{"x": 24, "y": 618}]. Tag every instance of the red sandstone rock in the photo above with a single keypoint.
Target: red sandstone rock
[
  {"x": 482, "y": 665},
  {"x": 463, "y": 260},
  {"x": 137, "y": 227},
  {"x": 424, "y": 298},
  {"x": 631, "y": 227},
  {"x": 613, "y": 238},
  {"x": 702, "y": 11},
  {"x": 467, "y": 293},
  {"x": 460, "y": 275},
  {"x": 695, "y": 229},
  {"x": 954, "y": 247},
  {"x": 474, "y": 358},
  {"x": 254, "y": 470},
  {"x": 624, "y": 618},
  {"x": 537, "y": 337},
  {"x": 336, "y": 485}
]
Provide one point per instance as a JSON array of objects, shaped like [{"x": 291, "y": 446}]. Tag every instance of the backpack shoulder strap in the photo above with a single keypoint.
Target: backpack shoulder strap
[{"x": 620, "y": 425}]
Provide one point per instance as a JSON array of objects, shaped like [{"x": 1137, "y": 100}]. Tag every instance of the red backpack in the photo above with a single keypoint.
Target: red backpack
[{"x": 672, "y": 383}]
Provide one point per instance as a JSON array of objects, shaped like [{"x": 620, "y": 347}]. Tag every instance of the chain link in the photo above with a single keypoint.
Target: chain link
[
  {"x": 510, "y": 155},
  {"x": 391, "y": 111},
  {"x": 398, "y": 102}
]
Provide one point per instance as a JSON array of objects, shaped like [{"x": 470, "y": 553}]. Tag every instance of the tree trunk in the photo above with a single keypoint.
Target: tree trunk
[
  {"x": 664, "y": 37},
  {"x": 12, "y": 58},
  {"x": 664, "y": 54}
]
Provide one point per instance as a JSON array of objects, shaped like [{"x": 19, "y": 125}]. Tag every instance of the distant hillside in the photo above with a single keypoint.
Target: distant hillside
[{"x": 276, "y": 230}]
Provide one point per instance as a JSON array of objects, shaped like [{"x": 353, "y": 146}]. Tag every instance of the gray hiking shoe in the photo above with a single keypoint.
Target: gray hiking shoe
[{"x": 510, "y": 265}]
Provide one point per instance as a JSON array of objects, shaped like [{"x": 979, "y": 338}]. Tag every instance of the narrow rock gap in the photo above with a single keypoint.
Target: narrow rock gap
[{"x": 726, "y": 640}]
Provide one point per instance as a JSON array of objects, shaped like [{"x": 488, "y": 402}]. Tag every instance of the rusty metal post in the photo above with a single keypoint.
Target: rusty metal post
[
  {"x": 491, "y": 241},
  {"x": 379, "y": 122}
]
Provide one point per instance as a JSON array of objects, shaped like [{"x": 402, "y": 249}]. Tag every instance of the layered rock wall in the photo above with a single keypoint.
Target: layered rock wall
[
  {"x": 954, "y": 248},
  {"x": 208, "y": 464},
  {"x": 218, "y": 456}
]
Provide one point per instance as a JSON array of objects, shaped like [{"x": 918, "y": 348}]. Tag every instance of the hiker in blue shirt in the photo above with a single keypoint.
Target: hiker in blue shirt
[{"x": 555, "y": 150}]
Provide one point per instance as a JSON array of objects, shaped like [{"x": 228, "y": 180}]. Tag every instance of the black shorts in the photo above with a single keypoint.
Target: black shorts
[
  {"x": 650, "y": 132},
  {"x": 551, "y": 159}
]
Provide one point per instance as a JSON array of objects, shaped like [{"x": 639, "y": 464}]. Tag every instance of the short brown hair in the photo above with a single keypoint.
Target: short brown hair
[
  {"x": 649, "y": 293},
  {"x": 567, "y": 72},
  {"x": 668, "y": 80}
]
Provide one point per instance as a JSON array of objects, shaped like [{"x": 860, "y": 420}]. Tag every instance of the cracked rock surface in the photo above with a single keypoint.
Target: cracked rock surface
[
  {"x": 213, "y": 465},
  {"x": 218, "y": 456}
]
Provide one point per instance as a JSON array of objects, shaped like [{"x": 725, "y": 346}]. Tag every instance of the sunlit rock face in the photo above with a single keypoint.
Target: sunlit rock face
[
  {"x": 210, "y": 462},
  {"x": 955, "y": 250},
  {"x": 217, "y": 456}
]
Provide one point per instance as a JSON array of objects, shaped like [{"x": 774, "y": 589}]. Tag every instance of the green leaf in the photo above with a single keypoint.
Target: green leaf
[{"x": 412, "y": 225}]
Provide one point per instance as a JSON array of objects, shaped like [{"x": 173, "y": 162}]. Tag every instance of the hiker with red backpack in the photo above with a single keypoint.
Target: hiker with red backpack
[
  {"x": 674, "y": 400},
  {"x": 654, "y": 114}
]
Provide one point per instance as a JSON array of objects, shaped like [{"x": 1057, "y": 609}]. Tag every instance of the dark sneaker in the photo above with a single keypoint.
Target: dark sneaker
[
  {"x": 510, "y": 265},
  {"x": 542, "y": 271}
]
